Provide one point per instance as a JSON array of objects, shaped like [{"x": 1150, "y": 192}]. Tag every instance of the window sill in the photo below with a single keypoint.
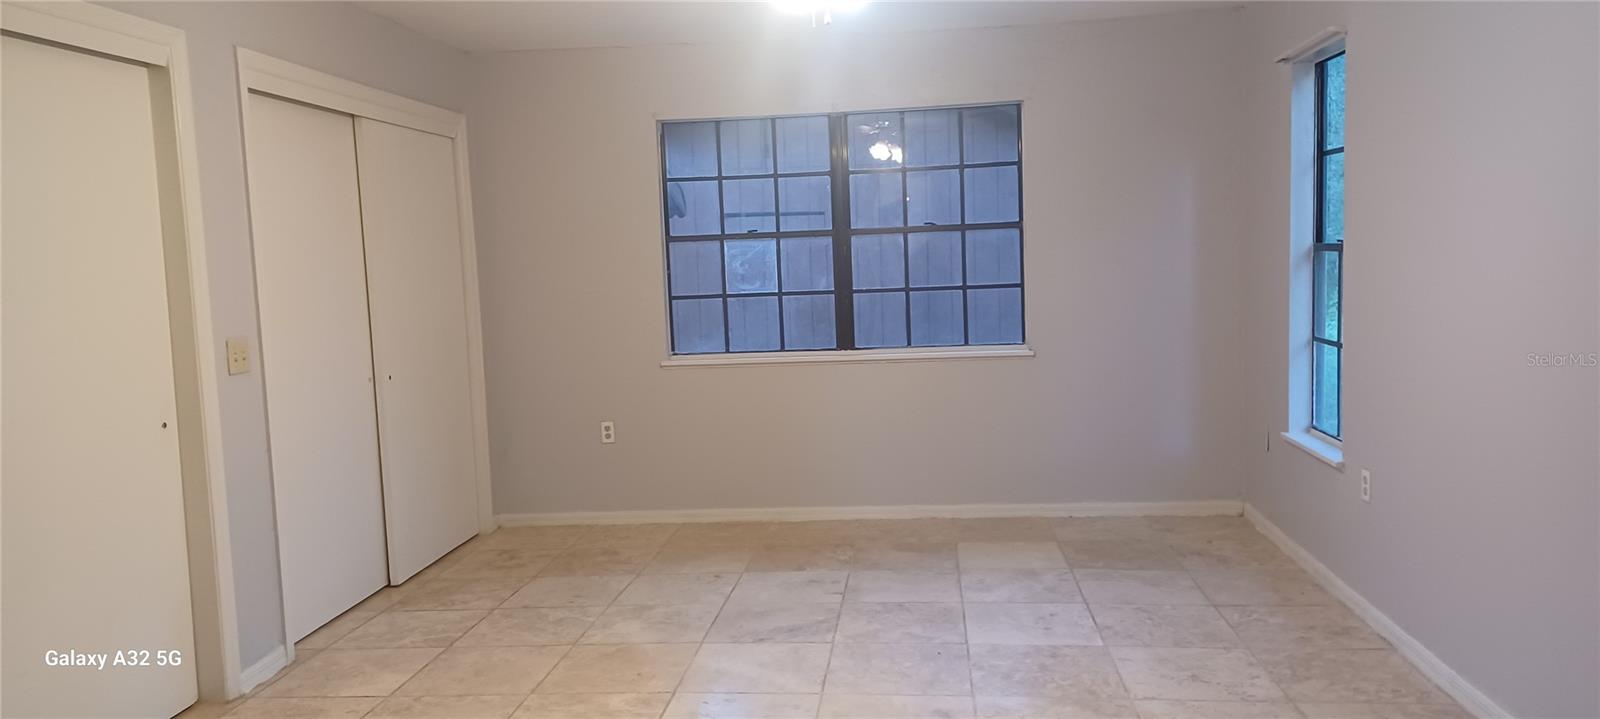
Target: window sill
[
  {"x": 1324, "y": 451},
  {"x": 849, "y": 356}
]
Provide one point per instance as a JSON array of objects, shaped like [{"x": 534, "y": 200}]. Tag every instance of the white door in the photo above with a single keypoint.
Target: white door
[
  {"x": 94, "y": 547},
  {"x": 316, "y": 358},
  {"x": 419, "y": 334}
]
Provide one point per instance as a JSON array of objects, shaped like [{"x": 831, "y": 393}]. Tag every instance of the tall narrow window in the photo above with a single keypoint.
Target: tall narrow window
[
  {"x": 1327, "y": 339},
  {"x": 845, "y": 231}
]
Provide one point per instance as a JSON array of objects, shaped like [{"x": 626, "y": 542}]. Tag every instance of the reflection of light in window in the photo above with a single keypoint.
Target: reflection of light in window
[{"x": 883, "y": 150}]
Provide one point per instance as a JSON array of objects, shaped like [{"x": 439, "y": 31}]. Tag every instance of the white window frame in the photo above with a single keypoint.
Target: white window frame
[{"x": 1303, "y": 117}]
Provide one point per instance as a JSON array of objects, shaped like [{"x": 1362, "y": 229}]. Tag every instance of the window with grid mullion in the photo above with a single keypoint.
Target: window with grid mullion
[
  {"x": 946, "y": 194},
  {"x": 1327, "y": 271},
  {"x": 767, "y": 234}
]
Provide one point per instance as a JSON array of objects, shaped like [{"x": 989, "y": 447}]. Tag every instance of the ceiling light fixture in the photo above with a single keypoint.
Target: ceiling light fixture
[{"x": 818, "y": 10}]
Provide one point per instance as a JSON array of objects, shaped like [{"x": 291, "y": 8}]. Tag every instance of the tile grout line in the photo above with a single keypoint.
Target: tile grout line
[
  {"x": 966, "y": 631},
  {"x": 568, "y": 650},
  {"x": 575, "y": 642},
  {"x": 673, "y": 695},
  {"x": 501, "y": 605},
  {"x": 395, "y": 607},
  {"x": 1115, "y": 667},
  {"x": 833, "y": 642},
  {"x": 1248, "y": 650},
  {"x": 558, "y": 552}
]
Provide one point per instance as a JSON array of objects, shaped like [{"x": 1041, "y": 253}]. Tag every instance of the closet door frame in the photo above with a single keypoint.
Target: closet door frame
[
  {"x": 263, "y": 73},
  {"x": 197, "y": 355}
]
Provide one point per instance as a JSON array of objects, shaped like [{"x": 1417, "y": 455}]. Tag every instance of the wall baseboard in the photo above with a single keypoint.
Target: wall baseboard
[
  {"x": 1431, "y": 666},
  {"x": 263, "y": 670},
  {"x": 904, "y": 511}
]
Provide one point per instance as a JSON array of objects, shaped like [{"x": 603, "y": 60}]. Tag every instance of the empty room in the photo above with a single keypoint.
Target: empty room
[{"x": 850, "y": 359}]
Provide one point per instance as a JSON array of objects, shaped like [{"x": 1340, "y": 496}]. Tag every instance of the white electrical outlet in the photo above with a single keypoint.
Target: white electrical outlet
[
  {"x": 238, "y": 356},
  {"x": 608, "y": 432},
  {"x": 1366, "y": 485}
]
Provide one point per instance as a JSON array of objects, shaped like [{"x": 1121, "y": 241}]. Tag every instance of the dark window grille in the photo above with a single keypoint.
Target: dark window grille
[{"x": 1327, "y": 249}]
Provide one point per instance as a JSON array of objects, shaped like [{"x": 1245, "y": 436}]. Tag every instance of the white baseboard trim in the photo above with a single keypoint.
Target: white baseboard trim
[
  {"x": 263, "y": 670},
  {"x": 1208, "y": 507},
  {"x": 1427, "y": 662}
]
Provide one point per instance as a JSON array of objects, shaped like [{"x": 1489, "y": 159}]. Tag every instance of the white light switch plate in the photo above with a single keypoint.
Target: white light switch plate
[{"x": 238, "y": 356}]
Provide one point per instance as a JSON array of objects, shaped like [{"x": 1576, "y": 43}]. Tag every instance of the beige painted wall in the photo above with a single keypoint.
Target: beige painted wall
[
  {"x": 1473, "y": 136},
  {"x": 1131, "y": 269},
  {"x": 332, "y": 37}
]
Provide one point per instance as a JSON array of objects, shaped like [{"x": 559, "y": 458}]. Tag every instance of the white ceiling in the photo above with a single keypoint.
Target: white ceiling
[{"x": 506, "y": 26}]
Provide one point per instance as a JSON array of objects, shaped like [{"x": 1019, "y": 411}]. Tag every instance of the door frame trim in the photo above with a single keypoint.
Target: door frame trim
[
  {"x": 262, "y": 73},
  {"x": 163, "y": 48}
]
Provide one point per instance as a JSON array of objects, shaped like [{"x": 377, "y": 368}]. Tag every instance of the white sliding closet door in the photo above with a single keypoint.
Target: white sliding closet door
[
  {"x": 419, "y": 334},
  {"x": 95, "y": 552},
  {"x": 316, "y": 353}
]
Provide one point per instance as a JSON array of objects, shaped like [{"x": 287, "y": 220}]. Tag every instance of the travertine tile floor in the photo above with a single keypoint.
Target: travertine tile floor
[{"x": 1038, "y": 618}]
